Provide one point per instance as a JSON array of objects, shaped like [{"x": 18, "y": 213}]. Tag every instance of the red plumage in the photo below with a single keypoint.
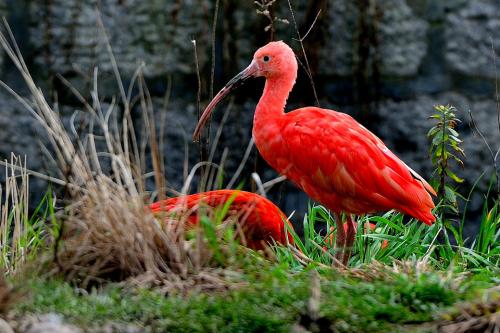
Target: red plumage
[
  {"x": 329, "y": 155},
  {"x": 341, "y": 164},
  {"x": 261, "y": 221}
]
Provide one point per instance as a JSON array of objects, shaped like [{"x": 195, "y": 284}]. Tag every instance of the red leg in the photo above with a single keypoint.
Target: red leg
[
  {"x": 350, "y": 236},
  {"x": 340, "y": 239}
]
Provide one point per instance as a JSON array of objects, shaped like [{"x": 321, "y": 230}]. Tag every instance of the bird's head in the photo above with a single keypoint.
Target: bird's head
[{"x": 272, "y": 61}]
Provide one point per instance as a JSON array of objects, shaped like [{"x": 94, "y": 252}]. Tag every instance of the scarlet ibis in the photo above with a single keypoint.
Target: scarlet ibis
[
  {"x": 261, "y": 221},
  {"x": 328, "y": 154}
]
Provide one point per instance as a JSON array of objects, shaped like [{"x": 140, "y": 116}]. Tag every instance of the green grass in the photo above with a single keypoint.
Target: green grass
[
  {"x": 411, "y": 240},
  {"x": 407, "y": 285},
  {"x": 24, "y": 236},
  {"x": 272, "y": 301}
]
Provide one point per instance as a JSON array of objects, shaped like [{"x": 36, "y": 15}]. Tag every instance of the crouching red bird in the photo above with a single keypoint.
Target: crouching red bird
[
  {"x": 261, "y": 221},
  {"x": 328, "y": 154}
]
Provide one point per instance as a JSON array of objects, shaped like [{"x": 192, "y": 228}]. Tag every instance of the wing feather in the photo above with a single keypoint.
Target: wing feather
[{"x": 345, "y": 158}]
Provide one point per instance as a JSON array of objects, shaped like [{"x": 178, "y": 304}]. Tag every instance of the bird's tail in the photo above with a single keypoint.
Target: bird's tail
[
  {"x": 425, "y": 216},
  {"x": 420, "y": 203}
]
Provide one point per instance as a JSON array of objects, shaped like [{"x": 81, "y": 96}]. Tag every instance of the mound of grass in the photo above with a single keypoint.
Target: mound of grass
[{"x": 268, "y": 298}]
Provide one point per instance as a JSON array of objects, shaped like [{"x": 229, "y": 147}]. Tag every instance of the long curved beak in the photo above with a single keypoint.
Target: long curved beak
[{"x": 235, "y": 82}]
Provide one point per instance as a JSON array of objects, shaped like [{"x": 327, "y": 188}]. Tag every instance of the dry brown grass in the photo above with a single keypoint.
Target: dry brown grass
[
  {"x": 17, "y": 235},
  {"x": 378, "y": 271},
  {"x": 110, "y": 236},
  {"x": 106, "y": 233},
  {"x": 8, "y": 295},
  {"x": 479, "y": 316}
]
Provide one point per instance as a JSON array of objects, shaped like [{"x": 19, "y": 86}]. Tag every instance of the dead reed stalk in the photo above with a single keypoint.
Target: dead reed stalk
[{"x": 107, "y": 234}]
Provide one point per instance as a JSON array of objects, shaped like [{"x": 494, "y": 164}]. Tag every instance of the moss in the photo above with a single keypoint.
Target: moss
[{"x": 272, "y": 301}]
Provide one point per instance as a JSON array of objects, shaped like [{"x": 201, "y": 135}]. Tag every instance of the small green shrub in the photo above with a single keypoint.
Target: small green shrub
[{"x": 445, "y": 148}]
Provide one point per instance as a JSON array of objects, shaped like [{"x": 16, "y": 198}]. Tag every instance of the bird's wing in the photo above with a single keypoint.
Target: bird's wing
[{"x": 344, "y": 156}]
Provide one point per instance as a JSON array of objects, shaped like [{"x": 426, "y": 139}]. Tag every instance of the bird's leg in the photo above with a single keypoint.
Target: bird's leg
[
  {"x": 340, "y": 238},
  {"x": 350, "y": 236}
]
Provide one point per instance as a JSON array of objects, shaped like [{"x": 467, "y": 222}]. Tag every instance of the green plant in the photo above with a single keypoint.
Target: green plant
[
  {"x": 22, "y": 234},
  {"x": 404, "y": 241},
  {"x": 487, "y": 240},
  {"x": 445, "y": 148}
]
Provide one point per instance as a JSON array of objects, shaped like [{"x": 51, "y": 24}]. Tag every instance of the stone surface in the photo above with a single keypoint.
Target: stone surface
[
  {"x": 54, "y": 323},
  {"x": 472, "y": 38},
  {"x": 68, "y": 38},
  {"x": 50, "y": 323},
  {"x": 5, "y": 327},
  {"x": 22, "y": 136},
  {"x": 115, "y": 327},
  {"x": 404, "y": 126},
  {"x": 392, "y": 35}
]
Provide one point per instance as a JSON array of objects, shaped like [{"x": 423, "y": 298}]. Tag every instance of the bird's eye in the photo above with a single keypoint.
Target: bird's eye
[{"x": 266, "y": 58}]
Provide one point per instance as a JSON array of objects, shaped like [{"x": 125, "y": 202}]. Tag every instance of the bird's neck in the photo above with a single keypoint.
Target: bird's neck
[
  {"x": 269, "y": 116},
  {"x": 272, "y": 103}
]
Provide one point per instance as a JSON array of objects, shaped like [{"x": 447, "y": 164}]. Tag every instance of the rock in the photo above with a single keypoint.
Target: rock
[
  {"x": 54, "y": 323},
  {"x": 394, "y": 38},
  {"x": 404, "y": 128},
  {"x": 434, "y": 11},
  {"x": 402, "y": 39},
  {"x": 478, "y": 158},
  {"x": 472, "y": 38},
  {"x": 68, "y": 38},
  {"x": 5, "y": 327},
  {"x": 51, "y": 323},
  {"x": 115, "y": 327}
]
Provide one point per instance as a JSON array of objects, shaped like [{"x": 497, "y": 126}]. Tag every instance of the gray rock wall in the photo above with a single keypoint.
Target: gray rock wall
[
  {"x": 67, "y": 37},
  {"x": 397, "y": 41},
  {"x": 387, "y": 62}
]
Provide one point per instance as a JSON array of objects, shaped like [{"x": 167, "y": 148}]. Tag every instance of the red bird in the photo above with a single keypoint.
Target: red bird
[
  {"x": 261, "y": 221},
  {"x": 328, "y": 154}
]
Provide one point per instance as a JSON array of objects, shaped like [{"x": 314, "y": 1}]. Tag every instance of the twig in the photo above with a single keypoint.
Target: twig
[
  {"x": 204, "y": 146},
  {"x": 270, "y": 183},
  {"x": 266, "y": 9},
  {"x": 258, "y": 182},
  {"x": 300, "y": 39},
  {"x": 310, "y": 28},
  {"x": 477, "y": 131},
  {"x": 497, "y": 96},
  {"x": 242, "y": 164},
  {"x": 40, "y": 175},
  {"x": 212, "y": 69},
  {"x": 198, "y": 97}
]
